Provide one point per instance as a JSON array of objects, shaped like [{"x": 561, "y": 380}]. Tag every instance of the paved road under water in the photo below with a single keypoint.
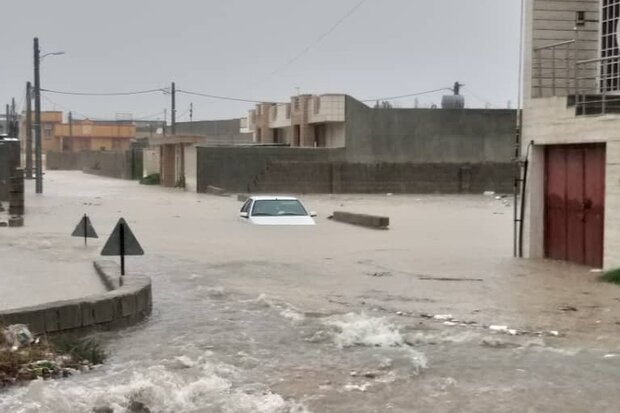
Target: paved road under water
[{"x": 330, "y": 318}]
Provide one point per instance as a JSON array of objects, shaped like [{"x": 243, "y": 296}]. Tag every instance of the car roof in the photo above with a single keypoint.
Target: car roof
[{"x": 273, "y": 198}]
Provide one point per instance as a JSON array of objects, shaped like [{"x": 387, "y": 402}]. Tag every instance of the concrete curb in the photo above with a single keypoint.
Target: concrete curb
[
  {"x": 122, "y": 305},
  {"x": 364, "y": 220}
]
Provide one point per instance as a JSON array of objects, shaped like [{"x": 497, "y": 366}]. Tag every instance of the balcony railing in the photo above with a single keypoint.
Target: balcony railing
[
  {"x": 598, "y": 86},
  {"x": 592, "y": 86}
]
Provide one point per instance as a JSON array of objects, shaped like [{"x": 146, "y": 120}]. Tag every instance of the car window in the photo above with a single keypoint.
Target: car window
[
  {"x": 246, "y": 206},
  {"x": 278, "y": 207}
]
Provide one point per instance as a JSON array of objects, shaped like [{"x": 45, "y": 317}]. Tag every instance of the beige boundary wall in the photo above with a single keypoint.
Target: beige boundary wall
[{"x": 127, "y": 301}]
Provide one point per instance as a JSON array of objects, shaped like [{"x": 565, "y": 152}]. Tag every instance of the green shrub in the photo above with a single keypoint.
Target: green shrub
[
  {"x": 612, "y": 276},
  {"x": 152, "y": 179}
]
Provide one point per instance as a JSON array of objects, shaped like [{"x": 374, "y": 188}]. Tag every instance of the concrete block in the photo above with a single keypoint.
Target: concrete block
[
  {"x": 128, "y": 305},
  {"x": 88, "y": 313},
  {"x": 364, "y": 220},
  {"x": 69, "y": 316},
  {"x": 51, "y": 319},
  {"x": 103, "y": 310}
]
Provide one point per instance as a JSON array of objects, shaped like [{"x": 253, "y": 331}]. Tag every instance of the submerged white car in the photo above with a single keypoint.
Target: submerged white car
[{"x": 275, "y": 210}]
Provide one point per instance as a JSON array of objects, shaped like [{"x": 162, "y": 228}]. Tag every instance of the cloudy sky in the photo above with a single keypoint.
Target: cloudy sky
[{"x": 258, "y": 50}]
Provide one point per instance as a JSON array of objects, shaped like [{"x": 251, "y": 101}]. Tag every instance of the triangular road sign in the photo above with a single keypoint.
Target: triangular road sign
[
  {"x": 84, "y": 229},
  {"x": 130, "y": 246}
]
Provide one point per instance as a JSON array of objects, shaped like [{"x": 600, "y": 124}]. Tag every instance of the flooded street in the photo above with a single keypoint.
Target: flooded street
[{"x": 331, "y": 318}]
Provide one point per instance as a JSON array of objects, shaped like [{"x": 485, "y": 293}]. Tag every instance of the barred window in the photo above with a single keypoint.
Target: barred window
[{"x": 610, "y": 69}]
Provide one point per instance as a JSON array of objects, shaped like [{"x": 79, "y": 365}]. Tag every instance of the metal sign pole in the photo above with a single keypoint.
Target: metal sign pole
[{"x": 122, "y": 248}]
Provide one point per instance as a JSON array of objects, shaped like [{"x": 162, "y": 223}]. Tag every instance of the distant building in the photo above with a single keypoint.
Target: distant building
[
  {"x": 307, "y": 121},
  {"x": 82, "y": 135}
]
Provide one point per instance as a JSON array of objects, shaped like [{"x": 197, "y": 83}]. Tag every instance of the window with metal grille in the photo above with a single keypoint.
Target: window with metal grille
[{"x": 610, "y": 68}]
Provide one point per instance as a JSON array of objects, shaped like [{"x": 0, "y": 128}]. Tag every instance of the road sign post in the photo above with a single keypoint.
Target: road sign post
[
  {"x": 84, "y": 229},
  {"x": 122, "y": 242}
]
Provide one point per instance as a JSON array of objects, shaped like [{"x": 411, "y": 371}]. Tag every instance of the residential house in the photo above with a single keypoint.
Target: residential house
[
  {"x": 305, "y": 121},
  {"x": 571, "y": 131}
]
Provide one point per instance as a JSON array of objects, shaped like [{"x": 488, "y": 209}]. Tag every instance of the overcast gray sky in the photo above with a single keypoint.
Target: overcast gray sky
[{"x": 244, "y": 48}]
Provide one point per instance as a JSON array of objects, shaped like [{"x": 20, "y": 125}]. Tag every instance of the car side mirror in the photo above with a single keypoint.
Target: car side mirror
[
  {"x": 244, "y": 214},
  {"x": 313, "y": 214}
]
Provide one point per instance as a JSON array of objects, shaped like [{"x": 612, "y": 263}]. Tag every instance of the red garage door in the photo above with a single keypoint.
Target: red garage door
[{"x": 575, "y": 203}]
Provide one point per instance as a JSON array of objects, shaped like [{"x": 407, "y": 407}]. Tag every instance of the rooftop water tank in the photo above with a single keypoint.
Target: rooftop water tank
[{"x": 453, "y": 102}]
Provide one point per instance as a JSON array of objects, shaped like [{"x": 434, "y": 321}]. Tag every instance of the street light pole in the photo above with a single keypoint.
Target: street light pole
[{"x": 37, "y": 119}]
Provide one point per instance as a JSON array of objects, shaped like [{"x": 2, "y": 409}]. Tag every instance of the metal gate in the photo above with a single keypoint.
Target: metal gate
[{"x": 575, "y": 203}]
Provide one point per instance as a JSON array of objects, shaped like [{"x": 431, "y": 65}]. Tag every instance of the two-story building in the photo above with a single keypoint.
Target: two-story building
[
  {"x": 307, "y": 121},
  {"x": 571, "y": 131}
]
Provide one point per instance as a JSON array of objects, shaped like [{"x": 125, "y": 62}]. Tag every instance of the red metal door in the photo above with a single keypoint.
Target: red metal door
[
  {"x": 594, "y": 205},
  {"x": 574, "y": 203}
]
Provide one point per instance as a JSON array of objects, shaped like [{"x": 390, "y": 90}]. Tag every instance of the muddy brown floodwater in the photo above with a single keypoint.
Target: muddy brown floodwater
[{"x": 331, "y": 318}]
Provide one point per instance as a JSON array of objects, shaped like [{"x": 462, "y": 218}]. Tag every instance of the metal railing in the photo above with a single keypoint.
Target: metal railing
[
  {"x": 591, "y": 85},
  {"x": 558, "y": 55},
  {"x": 597, "y": 83}
]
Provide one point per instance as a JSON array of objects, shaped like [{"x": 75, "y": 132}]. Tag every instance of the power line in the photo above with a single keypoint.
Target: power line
[
  {"x": 138, "y": 92},
  {"x": 318, "y": 39},
  {"x": 187, "y": 92},
  {"x": 483, "y": 100},
  {"x": 408, "y": 95},
  {"x": 64, "y": 107}
]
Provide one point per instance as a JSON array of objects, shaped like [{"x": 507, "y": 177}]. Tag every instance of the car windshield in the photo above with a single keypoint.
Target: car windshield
[{"x": 278, "y": 207}]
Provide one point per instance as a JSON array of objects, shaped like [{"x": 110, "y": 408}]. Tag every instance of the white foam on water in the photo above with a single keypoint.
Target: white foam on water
[
  {"x": 200, "y": 386},
  {"x": 354, "y": 329},
  {"x": 360, "y": 330},
  {"x": 286, "y": 310}
]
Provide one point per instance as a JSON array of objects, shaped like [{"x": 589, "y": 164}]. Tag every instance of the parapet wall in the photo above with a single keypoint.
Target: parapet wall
[{"x": 128, "y": 301}]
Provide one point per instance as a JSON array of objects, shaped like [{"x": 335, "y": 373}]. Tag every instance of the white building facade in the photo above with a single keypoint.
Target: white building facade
[{"x": 571, "y": 131}]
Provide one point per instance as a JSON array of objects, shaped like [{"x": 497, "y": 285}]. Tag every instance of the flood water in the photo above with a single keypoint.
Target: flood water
[{"x": 332, "y": 320}]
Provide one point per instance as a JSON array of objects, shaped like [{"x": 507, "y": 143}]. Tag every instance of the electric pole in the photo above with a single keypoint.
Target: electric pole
[
  {"x": 173, "y": 114},
  {"x": 7, "y": 122},
  {"x": 37, "y": 119},
  {"x": 165, "y": 120},
  {"x": 28, "y": 130}
]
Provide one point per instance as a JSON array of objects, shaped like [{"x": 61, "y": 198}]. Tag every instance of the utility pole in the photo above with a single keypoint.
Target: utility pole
[
  {"x": 71, "y": 126},
  {"x": 165, "y": 120},
  {"x": 173, "y": 115},
  {"x": 14, "y": 129},
  {"x": 28, "y": 130},
  {"x": 7, "y": 122},
  {"x": 37, "y": 118}
]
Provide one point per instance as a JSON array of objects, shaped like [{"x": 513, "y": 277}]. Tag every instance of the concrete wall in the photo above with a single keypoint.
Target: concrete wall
[
  {"x": 345, "y": 177},
  {"x": 126, "y": 303},
  {"x": 191, "y": 168},
  {"x": 151, "y": 161},
  {"x": 122, "y": 165},
  {"x": 209, "y": 127},
  {"x": 235, "y": 168},
  {"x": 428, "y": 135}
]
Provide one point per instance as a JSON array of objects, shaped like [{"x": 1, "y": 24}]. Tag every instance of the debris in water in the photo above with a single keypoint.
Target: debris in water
[
  {"x": 554, "y": 333},
  {"x": 610, "y": 356},
  {"x": 502, "y": 329},
  {"x": 450, "y": 323},
  {"x": 446, "y": 317},
  {"x": 17, "y": 335},
  {"x": 379, "y": 274},
  {"x": 426, "y": 278},
  {"x": 567, "y": 308}
]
